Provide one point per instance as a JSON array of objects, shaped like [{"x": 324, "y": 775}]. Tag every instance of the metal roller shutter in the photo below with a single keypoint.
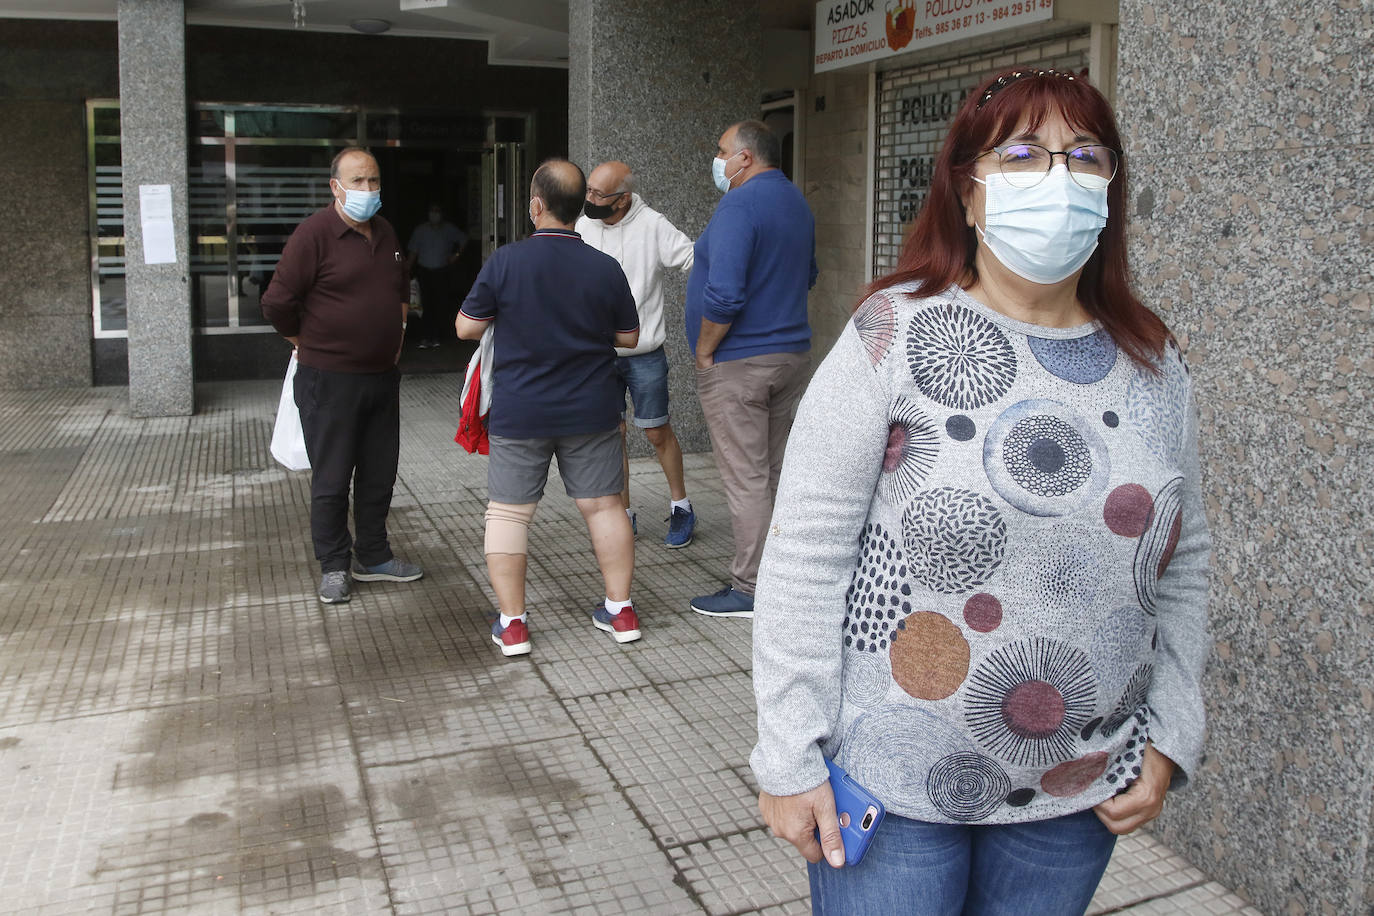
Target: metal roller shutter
[{"x": 915, "y": 107}]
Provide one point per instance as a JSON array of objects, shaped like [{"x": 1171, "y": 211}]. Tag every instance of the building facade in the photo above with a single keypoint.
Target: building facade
[{"x": 265, "y": 110}]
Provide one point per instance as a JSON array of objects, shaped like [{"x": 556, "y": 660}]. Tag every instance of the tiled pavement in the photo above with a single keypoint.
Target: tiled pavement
[{"x": 184, "y": 728}]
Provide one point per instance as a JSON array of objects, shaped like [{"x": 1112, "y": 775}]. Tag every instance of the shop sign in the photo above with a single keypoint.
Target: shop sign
[{"x": 852, "y": 32}]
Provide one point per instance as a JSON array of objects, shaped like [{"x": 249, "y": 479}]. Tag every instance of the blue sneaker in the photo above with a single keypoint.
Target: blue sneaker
[
  {"x": 725, "y": 603},
  {"x": 634, "y": 523},
  {"x": 392, "y": 570},
  {"x": 681, "y": 524}
]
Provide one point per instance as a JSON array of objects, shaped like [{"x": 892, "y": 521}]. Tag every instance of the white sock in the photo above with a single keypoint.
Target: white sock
[
  {"x": 507, "y": 621},
  {"x": 615, "y": 607},
  {"x": 683, "y": 503}
]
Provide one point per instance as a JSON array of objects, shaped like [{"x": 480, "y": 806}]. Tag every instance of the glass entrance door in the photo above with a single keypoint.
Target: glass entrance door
[
  {"x": 505, "y": 196},
  {"x": 257, "y": 171}
]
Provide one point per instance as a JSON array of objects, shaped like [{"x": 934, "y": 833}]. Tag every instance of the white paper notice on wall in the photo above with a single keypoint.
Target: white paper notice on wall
[{"x": 155, "y": 213}]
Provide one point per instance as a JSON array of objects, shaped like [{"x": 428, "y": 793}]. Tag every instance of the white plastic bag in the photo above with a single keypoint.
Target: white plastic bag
[
  {"x": 288, "y": 439},
  {"x": 482, "y": 357},
  {"x": 417, "y": 304}
]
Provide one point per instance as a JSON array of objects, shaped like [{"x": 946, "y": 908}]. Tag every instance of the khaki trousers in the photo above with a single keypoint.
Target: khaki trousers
[{"x": 749, "y": 404}]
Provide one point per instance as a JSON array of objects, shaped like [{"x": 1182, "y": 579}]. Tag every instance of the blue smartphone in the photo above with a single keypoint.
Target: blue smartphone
[{"x": 859, "y": 811}]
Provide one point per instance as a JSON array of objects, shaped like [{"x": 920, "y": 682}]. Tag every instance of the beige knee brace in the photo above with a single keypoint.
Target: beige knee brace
[{"x": 508, "y": 528}]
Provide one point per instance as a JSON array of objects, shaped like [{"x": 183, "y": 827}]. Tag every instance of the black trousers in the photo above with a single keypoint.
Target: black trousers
[
  {"x": 352, "y": 426},
  {"x": 436, "y": 296}
]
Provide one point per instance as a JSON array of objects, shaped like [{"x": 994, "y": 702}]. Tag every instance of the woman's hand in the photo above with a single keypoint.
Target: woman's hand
[
  {"x": 1143, "y": 801},
  {"x": 796, "y": 818}
]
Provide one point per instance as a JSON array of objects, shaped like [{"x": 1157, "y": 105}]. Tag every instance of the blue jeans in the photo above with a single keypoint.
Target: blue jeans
[
  {"x": 646, "y": 378},
  {"x": 1043, "y": 868}
]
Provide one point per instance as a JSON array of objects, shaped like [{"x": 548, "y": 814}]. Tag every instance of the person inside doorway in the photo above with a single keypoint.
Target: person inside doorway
[{"x": 435, "y": 247}]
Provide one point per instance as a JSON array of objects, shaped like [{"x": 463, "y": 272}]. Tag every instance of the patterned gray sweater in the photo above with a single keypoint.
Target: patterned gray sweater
[{"x": 985, "y": 584}]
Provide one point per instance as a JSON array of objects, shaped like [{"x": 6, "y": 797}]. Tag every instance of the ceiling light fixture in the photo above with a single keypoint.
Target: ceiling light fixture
[{"x": 370, "y": 26}]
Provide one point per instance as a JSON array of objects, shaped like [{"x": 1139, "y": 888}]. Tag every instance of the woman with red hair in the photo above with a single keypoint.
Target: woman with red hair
[{"x": 984, "y": 590}]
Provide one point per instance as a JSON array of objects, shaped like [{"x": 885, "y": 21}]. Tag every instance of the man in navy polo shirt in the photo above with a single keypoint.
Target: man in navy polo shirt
[{"x": 558, "y": 309}]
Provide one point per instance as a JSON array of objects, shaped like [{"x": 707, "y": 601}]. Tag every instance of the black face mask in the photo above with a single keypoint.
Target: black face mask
[{"x": 598, "y": 211}]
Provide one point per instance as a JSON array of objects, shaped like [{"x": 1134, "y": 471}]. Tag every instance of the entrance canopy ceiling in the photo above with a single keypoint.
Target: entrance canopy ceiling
[
  {"x": 518, "y": 32},
  {"x": 523, "y": 32}
]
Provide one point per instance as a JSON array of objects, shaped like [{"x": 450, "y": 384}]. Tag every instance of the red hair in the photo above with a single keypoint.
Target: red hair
[{"x": 940, "y": 246}]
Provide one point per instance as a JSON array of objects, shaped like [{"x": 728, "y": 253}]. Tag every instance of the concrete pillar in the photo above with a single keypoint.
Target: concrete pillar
[
  {"x": 655, "y": 84},
  {"x": 152, "y": 99},
  {"x": 1248, "y": 138}
]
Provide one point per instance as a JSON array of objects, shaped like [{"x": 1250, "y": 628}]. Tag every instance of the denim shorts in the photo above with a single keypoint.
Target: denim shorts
[
  {"x": 646, "y": 378},
  {"x": 590, "y": 465}
]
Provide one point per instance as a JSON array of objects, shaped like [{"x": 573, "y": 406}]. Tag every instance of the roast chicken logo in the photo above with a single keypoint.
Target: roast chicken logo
[{"x": 901, "y": 23}]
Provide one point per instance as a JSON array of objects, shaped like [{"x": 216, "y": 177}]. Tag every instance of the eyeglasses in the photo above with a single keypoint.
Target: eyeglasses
[
  {"x": 603, "y": 195},
  {"x": 1025, "y": 165}
]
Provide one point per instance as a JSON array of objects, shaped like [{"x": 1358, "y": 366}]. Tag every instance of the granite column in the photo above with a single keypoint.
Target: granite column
[
  {"x": 152, "y": 98},
  {"x": 1251, "y": 141},
  {"x": 655, "y": 84}
]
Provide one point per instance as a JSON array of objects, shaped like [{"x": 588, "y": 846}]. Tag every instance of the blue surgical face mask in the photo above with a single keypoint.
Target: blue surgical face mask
[
  {"x": 1045, "y": 233},
  {"x": 718, "y": 173},
  {"x": 361, "y": 206}
]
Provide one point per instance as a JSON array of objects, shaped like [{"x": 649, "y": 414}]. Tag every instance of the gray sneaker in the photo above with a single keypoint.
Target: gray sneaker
[
  {"x": 392, "y": 570},
  {"x": 334, "y": 587}
]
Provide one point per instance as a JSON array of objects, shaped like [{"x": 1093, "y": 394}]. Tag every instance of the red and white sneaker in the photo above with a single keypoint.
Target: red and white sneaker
[
  {"x": 623, "y": 627},
  {"x": 513, "y": 640}
]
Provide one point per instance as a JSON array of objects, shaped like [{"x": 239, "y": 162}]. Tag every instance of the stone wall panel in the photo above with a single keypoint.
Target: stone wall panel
[{"x": 1249, "y": 142}]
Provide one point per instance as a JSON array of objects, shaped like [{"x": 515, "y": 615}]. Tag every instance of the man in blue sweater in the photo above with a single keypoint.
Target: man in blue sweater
[{"x": 747, "y": 326}]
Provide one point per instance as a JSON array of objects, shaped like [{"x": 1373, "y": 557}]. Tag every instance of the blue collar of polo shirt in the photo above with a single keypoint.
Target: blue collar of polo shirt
[
  {"x": 563, "y": 233},
  {"x": 769, "y": 173}
]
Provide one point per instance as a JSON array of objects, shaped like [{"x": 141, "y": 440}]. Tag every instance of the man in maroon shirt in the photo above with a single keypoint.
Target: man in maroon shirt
[{"x": 339, "y": 295}]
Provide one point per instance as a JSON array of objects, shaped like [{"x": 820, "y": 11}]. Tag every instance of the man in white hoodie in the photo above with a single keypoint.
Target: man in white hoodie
[{"x": 619, "y": 223}]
